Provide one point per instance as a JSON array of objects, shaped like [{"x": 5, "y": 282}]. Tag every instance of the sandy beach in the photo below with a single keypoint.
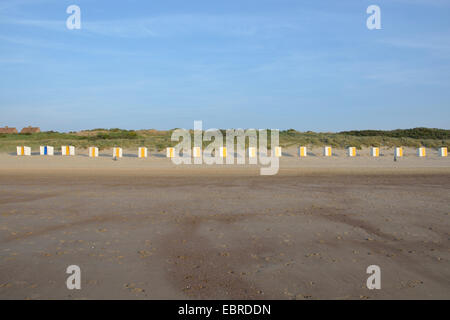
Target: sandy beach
[{"x": 148, "y": 229}]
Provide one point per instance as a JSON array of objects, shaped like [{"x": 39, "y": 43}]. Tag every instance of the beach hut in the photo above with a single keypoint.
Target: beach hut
[
  {"x": 170, "y": 153},
  {"x": 351, "y": 151},
  {"x": 223, "y": 152},
  {"x": 421, "y": 152},
  {"x": 302, "y": 152},
  {"x": 443, "y": 151},
  {"x": 23, "y": 151},
  {"x": 375, "y": 152},
  {"x": 327, "y": 152},
  {"x": 398, "y": 152},
  {"x": 68, "y": 151},
  {"x": 252, "y": 152},
  {"x": 197, "y": 152},
  {"x": 117, "y": 152},
  {"x": 142, "y": 152},
  {"x": 46, "y": 151},
  {"x": 93, "y": 152},
  {"x": 277, "y": 152}
]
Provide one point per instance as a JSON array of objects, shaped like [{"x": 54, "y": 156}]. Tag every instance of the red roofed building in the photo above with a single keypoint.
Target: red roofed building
[
  {"x": 8, "y": 130},
  {"x": 31, "y": 129}
]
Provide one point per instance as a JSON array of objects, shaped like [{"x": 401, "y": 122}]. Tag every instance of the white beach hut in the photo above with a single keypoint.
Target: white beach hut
[
  {"x": 170, "y": 153},
  {"x": 117, "y": 152},
  {"x": 421, "y": 152},
  {"x": 351, "y": 151},
  {"x": 46, "y": 150},
  {"x": 278, "y": 152},
  {"x": 23, "y": 151},
  {"x": 252, "y": 152},
  {"x": 142, "y": 152},
  {"x": 223, "y": 152},
  {"x": 93, "y": 152},
  {"x": 68, "y": 150},
  {"x": 197, "y": 152},
  {"x": 302, "y": 152},
  {"x": 374, "y": 152}
]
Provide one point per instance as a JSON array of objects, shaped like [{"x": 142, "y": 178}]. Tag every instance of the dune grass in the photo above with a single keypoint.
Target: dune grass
[
  {"x": 159, "y": 140},
  {"x": 343, "y": 140}
]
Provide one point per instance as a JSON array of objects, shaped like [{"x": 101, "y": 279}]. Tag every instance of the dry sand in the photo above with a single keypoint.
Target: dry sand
[{"x": 147, "y": 229}]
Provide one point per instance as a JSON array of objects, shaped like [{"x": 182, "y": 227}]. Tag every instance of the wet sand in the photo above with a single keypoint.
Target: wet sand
[{"x": 146, "y": 229}]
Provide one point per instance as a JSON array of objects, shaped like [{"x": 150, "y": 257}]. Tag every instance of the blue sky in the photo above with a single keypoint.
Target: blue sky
[{"x": 308, "y": 65}]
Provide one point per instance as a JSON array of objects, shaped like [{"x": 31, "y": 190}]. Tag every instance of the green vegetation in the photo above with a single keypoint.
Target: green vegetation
[
  {"x": 415, "y": 133},
  {"x": 159, "y": 140},
  {"x": 431, "y": 138},
  {"x": 101, "y": 138}
]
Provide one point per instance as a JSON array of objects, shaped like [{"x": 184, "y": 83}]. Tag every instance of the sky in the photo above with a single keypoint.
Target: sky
[{"x": 307, "y": 65}]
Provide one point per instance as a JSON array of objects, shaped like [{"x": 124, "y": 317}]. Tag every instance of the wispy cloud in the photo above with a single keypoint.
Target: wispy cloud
[
  {"x": 436, "y": 45},
  {"x": 443, "y": 3},
  {"x": 39, "y": 42},
  {"x": 393, "y": 75},
  {"x": 426, "y": 42},
  {"x": 14, "y": 4},
  {"x": 177, "y": 25},
  {"x": 46, "y": 24},
  {"x": 7, "y": 60}
]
